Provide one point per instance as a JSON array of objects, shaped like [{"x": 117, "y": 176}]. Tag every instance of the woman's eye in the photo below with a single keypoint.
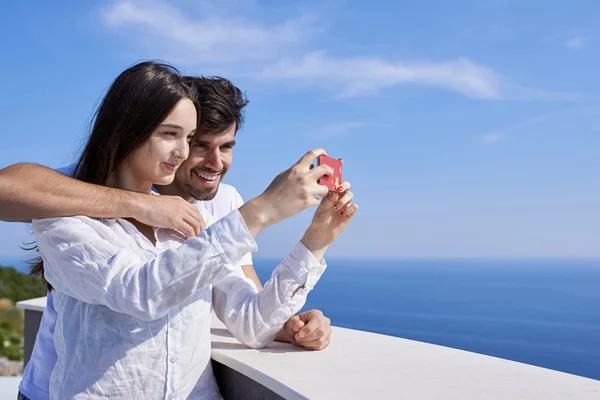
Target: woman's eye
[{"x": 169, "y": 133}]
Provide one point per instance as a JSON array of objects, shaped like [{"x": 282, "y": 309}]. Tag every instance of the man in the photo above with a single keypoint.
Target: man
[
  {"x": 29, "y": 191},
  {"x": 199, "y": 180}
]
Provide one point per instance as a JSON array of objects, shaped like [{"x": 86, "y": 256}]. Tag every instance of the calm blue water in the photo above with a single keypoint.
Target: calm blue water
[{"x": 545, "y": 313}]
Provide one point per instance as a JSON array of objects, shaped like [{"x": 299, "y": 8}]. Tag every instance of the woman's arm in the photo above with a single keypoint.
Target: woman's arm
[
  {"x": 255, "y": 318},
  {"x": 82, "y": 263}
]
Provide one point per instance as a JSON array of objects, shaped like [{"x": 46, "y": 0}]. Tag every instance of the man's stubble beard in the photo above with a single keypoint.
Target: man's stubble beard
[
  {"x": 197, "y": 194},
  {"x": 205, "y": 194}
]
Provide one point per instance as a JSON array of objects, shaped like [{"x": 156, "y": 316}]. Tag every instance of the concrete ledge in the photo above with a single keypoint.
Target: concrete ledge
[
  {"x": 362, "y": 365},
  {"x": 37, "y": 304}
]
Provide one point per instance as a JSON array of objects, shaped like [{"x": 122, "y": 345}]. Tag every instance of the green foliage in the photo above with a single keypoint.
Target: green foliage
[{"x": 15, "y": 286}]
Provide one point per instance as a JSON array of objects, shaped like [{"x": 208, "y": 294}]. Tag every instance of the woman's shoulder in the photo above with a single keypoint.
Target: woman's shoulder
[{"x": 77, "y": 224}]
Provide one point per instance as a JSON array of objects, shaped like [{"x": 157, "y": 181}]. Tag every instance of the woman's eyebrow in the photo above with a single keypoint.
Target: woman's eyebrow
[{"x": 170, "y": 125}]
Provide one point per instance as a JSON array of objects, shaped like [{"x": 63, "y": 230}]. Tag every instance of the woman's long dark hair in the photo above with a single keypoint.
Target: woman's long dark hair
[{"x": 136, "y": 103}]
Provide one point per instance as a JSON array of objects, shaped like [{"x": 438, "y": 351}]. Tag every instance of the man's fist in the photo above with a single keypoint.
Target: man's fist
[
  {"x": 171, "y": 212},
  {"x": 310, "y": 329}
]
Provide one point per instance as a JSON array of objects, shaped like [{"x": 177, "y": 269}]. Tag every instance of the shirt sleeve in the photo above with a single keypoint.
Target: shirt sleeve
[
  {"x": 101, "y": 268},
  {"x": 68, "y": 170},
  {"x": 256, "y": 318},
  {"x": 238, "y": 202}
]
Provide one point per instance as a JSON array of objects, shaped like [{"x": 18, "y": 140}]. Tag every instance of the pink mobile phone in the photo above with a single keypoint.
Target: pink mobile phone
[{"x": 332, "y": 182}]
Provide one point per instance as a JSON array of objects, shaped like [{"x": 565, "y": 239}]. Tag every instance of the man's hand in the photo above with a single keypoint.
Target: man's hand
[
  {"x": 171, "y": 212},
  {"x": 310, "y": 329},
  {"x": 291, "y": 192}
]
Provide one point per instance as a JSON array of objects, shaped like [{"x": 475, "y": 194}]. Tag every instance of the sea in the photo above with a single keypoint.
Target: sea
[{"x": 539, "y": 312}]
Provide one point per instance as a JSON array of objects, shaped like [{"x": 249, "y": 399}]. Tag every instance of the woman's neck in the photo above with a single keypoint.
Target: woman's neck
[{"x": 124, "y": 179}]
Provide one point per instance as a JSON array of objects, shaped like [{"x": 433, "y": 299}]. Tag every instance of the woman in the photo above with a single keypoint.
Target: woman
[{"x": 133, "y": 302}]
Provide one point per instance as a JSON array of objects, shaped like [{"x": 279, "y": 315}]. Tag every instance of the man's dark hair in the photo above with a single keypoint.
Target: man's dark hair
[{"x": 221, "y": 103}]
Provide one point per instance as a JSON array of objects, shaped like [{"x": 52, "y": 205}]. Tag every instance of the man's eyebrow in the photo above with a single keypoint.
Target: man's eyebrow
[{"x": 201, "y": 142}]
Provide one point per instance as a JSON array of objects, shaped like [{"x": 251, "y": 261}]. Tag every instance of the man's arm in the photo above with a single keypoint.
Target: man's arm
[{"x": 31, "y": 191}]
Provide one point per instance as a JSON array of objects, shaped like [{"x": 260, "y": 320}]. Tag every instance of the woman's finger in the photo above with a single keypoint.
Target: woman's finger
[
  {"x": 344, "y": 187},
  {"x": 350, "y": 211},
  {"x": 342, "y": 202}
]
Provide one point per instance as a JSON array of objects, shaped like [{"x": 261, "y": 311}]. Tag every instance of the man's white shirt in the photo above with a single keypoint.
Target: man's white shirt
[{"x": 146, "y": 320}]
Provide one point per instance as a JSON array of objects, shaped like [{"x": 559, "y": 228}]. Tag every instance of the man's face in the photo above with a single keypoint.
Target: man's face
[{"x": 209, "y": 160}]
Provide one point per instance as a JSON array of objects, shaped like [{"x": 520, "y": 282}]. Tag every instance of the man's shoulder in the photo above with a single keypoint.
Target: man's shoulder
[{"x": 227, "y": 193}]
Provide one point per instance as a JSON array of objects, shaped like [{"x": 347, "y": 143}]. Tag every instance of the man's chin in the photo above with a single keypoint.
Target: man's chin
[{"x": 205, "y": 194}]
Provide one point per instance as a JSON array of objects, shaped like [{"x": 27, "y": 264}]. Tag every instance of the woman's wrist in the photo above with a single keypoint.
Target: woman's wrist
[{"x": 315, "y": 243}]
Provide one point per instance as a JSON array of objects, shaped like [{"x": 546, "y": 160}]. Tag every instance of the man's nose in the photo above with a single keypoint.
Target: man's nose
[{"x": 213, "y": 160}]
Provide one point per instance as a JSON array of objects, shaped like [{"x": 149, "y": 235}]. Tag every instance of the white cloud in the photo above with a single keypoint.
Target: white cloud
[
  {"x": 575, "y": 43},
  {"x": 338, "y": 129},
  {"x": 357, "y": 76},
  {"x": 207, "y": 39},
  {"x": 490, "y": 138}
]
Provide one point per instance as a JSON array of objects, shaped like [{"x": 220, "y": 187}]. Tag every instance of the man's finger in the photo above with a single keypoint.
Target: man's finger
[
  {"x": 298, "y": 325},
  {"x": 194, "y": 226},
  {"x": 199, "y": 223},
  {"x": 185, "y": 229},
  {"x": 309, "y": 157},
  {"x": 317, "y": 333},
  {"x": 290, "y": 327},
  {"x": 317, "y": 344},
  {"x": 317, "y": 173},
  {"x": 314, "y": 329}
]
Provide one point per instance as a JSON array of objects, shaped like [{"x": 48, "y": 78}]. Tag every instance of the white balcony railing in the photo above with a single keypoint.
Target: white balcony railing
[{"x": 361, "y": 365}]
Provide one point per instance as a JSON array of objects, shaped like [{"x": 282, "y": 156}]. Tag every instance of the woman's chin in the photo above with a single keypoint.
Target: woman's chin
[{"x": 164, "y": 180}]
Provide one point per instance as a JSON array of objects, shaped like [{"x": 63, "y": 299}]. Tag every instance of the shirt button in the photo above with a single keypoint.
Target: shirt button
[
  {"x": 303, "y": 263},
  {"x": 172, "y": 324},
  {"x": 173, "y": 359}
]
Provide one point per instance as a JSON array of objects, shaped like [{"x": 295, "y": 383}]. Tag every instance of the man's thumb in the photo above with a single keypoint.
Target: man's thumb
[{"x": 298, "y": 323}]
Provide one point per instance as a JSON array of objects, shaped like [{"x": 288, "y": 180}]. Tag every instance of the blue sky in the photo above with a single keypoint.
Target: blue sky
[{"x": 467, "y": 131}]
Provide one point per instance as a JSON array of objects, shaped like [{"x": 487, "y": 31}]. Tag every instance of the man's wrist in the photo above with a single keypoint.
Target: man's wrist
[
  {"x": 132, "y": 204},
  {"x": 282, "y": 336}
]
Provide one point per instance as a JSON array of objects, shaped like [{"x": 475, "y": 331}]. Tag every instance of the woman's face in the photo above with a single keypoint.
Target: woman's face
[{"x": 158, "y": 158}]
